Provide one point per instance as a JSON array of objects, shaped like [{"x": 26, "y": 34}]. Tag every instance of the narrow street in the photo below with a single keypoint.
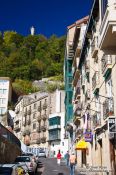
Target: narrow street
[{"x": 48, "y": 166}]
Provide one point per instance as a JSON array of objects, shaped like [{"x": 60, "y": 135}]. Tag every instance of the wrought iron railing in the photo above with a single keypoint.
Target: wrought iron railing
[
  {"x": 108, "y": 107},
  {"x": 95, "y": 79},
  {"x": 106, "y": 60}
]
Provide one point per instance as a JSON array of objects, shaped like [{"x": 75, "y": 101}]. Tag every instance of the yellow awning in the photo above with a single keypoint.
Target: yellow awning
[{"x": 80, "y": 145}]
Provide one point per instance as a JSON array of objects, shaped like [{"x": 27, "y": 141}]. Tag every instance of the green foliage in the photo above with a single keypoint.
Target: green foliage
[
  {"x": 30, "y": 58},
  {"x": 22, "y": 87}
]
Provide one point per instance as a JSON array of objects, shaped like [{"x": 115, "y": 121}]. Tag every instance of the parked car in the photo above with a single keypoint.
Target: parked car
[
  {"x": 30, "y": 154},
  {"x": 42, "y": 153},
  {"x": 13, "y": 169},
  {"x": 29, "y": 162}
]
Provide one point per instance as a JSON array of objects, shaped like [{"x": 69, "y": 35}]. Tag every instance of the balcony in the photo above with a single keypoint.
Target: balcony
[
  {"x": 94, "y": 47},
  {"x": 78, "y": 49},
  {"x": 38, "y": 141},
  {"x": 25, "y": 112},
  {"x": 108, "y": 108},
  {"x": 108, "y": 27},
  {"x": 87, "y": 66},
  {"x": 44, "y": 106},
  {"x": 88, "y": 94},
  {"x": 44, "y": 116},
  {"x": 95, "y": 82},
  {"x": 53, "y": 138},
  {"x": 43, "y": 139},
  {"x": 28, "y": 122},
  {"x": 17, "y": 110},
  {"x": 70, "y": 54},
  {"x": 76, "y": 76},
  {"x": 54, "y": 127},
  {"x": 39, "y": 108},
  {"x": 29, "y": 112},
  {"x": 39, "y": 118},
  {"x": 78, "y": 93},
  {"x": 83, "y": 80},
  {"x": 106, "y": 65},
  {"x": 96, "y": 120},
  {"x": 17, "y": 127},
  {"x": 39, "y": 129},
  {"x": 43, "y": 128},
  {"x": 79, "y": 133}
]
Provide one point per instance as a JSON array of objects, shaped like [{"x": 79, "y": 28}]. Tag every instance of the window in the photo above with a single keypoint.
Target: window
[
  {"x": 35, "y": 106},
  {"x": 109, "y": 88},
  {"x": 3, "y": 91},
  {"x": 34, "y": 125},
  {"x": 34, "y": 116},
  {"x": 2, "y": 100},
  {"x": 2, "y": 110}
]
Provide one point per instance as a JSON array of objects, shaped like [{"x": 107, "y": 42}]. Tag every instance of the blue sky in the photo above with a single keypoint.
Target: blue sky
[{"x": 47, "y": 16}]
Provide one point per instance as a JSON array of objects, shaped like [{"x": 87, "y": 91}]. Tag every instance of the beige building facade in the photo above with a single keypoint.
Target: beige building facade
[
  {"x": 94, "y": 96},
  {"x": 31, "y": 121}
]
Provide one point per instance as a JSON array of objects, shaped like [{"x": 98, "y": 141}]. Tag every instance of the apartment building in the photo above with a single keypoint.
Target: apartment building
[
  {"x": 94, "y": 90},
  {"x": 75, "y": 34},
  {"x": 56, "y": 134},
  {"x": 5, "y": 98},
  {"x": 31, "y": 121}
]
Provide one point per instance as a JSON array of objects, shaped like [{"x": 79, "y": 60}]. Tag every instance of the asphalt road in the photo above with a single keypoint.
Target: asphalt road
[{"x": 48, "y": 166}]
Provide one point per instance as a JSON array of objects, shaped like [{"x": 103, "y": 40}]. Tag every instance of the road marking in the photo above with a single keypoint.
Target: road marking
[{"x": 54, "y": 170}]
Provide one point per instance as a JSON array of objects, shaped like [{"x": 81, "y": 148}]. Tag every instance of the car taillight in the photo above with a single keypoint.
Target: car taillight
[{"x": 31, "y": 165}]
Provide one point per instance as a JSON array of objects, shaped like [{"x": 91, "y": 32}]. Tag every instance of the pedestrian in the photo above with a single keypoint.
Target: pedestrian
[
  {"x": 72, "y": 160},
  {"x": 67, "y": 156},
  {"x": 58, "y": 157}
]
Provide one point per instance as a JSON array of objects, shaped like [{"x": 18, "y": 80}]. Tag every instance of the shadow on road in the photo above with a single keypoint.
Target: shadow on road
[{"x": 60, "y": 173}]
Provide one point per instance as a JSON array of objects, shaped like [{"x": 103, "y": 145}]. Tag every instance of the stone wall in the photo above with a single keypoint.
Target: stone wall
[{"x": 8, "y": 151}]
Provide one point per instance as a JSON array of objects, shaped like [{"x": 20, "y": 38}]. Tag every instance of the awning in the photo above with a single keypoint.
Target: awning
[{"x": 80, "y": 145}]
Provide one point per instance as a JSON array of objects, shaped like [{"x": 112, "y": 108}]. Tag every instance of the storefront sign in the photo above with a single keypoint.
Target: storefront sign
[
  {"x": 80, "y": 145},
  {"x": 112, "y": 125},
  {"x": 88, "y": 137}
]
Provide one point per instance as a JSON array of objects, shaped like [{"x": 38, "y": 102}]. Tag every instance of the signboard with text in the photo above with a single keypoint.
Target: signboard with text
[
  {"x": 112, "y": 125},
  {"x": 88, "y": 137}
]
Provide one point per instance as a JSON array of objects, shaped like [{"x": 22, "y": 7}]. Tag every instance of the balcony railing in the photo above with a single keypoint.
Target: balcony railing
[
  {"x": 16, "y": 126},
  {"x": 39, "y": 129},
  {"x": 43, "y": 139},
  {"x": 108, "y": 107},
  {"x": 88, "y": 94},
  {"x": 83, "y": 80},
  {"x": 54, "y": 137},
  {"x": 95, "y": 81},
  {"x": 17, "y": 110},
  {"x": 78, "y": 93},
  {"x": 39, "y": 108},
  {"x": 28, "y": 122},
  {"x": 29, "y": 112},
  {"x": 44, "y": 116},
  {"x": 43, "y": 128},
  {"x": 96, "y": 120},
  {"x": 38, "y": 141},
  {"x": 77, "y": 109},
  {"x": 94, "y": 46},
  {"x": 25, "y": 112},
  {"x": 44, "y": 106},
  {"x": 106, "y": 63},
  {"x": 54, "y": 127},
  {"x": 9, "y": 136},
  {"x": 39, "y": 118},
  {"x": 87, "y": 65}
]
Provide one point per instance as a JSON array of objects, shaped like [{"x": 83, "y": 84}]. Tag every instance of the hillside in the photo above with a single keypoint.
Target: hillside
[{"x": 28, "y": 58}]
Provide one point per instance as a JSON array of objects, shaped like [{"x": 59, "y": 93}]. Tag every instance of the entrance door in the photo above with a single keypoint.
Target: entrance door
[{"x": 112, "y": 155}]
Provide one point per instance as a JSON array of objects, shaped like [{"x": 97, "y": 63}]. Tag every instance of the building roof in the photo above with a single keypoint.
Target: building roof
[{"x": 79, "y": 22}]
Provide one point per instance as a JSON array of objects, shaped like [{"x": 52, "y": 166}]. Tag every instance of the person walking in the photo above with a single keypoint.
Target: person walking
[
  {"x": 67, "y": 156},
  {"x": 58, "y": 157},
  {"x": 72, "y": 160}
]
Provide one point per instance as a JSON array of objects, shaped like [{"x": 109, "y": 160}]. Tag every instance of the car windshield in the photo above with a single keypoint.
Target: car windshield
[
  {"x": 5, "y": 170},
  {"x": 22, "y": 159}
]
